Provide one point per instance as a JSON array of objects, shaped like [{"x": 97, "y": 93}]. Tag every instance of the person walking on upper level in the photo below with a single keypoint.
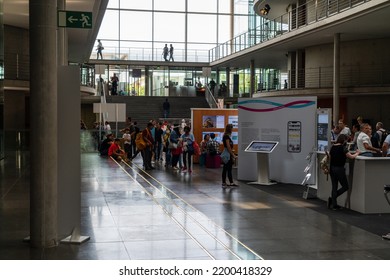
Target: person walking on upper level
[
  {"x": 165, "y": 52},
  {"x": 171, "y": 53},
  {"x": 99, "y": 49}
]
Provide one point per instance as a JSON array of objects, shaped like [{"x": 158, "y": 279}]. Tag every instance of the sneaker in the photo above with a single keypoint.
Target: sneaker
[
  {"x": 233, "y": 185},
  {"x": 190, "y": 170},
  {"x": 184, "y": 169},
  {"x": 224, "y": 186}
]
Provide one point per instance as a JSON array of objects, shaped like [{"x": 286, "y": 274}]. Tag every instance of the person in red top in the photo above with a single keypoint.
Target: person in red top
[
  {"x": 115, "y": 151},
  {"x": 147, "y": 152}
]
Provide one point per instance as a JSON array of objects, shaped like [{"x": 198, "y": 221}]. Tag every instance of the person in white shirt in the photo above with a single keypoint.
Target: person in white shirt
[
  {"x": 127, "y": 143},
  {"x": 364, "y": 141}
]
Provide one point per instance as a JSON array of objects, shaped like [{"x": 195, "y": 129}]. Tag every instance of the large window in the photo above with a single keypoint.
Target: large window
[{"x": 132, "y": 27}]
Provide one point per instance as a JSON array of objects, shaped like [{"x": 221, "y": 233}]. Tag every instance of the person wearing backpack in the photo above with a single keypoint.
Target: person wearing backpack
[
  {"x": 379, "y": 136},
  {"x": 212, "y": 145}
]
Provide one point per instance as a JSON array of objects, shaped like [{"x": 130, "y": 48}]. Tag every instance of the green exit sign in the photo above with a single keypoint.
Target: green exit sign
[{"x": 74, "y": 19}]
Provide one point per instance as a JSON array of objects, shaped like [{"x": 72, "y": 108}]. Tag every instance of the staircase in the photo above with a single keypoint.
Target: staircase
[{"x": 144, "y": 108}]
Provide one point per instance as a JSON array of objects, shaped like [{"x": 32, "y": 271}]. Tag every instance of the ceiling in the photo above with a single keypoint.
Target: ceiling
[
  {"x": 366, "y": 21},
  {"x": 80, "y": 41}
]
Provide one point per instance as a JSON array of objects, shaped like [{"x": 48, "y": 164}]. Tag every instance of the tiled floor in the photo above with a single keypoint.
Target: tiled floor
[{"x": 166, "y": 214}]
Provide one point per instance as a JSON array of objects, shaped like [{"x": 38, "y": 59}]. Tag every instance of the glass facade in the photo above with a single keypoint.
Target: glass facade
[
  {"x": 138, "y": 31},
  {"x": 134, "y": 29}
]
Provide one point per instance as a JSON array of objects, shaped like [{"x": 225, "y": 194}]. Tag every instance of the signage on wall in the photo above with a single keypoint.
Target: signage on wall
[{"x": 74, "y": 19}]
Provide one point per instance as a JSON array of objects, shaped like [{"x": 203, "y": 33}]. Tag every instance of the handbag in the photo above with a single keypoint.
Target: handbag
[
  {"x": 172, "y": 145},
  {"x": 225, "y": 156}
]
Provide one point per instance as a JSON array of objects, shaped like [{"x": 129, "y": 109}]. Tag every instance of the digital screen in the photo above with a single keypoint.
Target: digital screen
[
  {"x": 213, "y": 121},
  {"x": 235, "y": 137},
  {"x": 322, "y": 132},
  {"x": 261, "y": 146},
  {"x": 233, "y": 120}
]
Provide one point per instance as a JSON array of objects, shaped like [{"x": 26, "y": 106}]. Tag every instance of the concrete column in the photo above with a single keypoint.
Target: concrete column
[
  {"x": 147, "y": 81},
  {"x": 336, "y": 78},
  {"x": 227, "y": 82},
  {"x": 252, "y": 78},
  {"x": 44, "y": 128},
  {"x": 232, "y": 45}
]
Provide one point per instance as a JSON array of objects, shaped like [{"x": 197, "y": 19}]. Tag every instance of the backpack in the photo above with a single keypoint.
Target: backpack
[
  {"x": 140, "y": 142},
  {"x": 325, "y": 164},
  {"x": 385, "y": 133},
  {"x": 211, "y": 148}
]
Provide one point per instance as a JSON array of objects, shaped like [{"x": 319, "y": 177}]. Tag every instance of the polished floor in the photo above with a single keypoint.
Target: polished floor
[{"x": 166, "y": 214}]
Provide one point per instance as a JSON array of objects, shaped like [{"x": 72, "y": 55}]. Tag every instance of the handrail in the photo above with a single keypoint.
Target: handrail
[
  {"x": 309, "y": 13},
  {"x": 210, "y": 98}
]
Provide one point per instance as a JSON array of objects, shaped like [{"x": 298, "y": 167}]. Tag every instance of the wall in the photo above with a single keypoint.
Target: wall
[
  {"x": 362, "y": 52},
  {"x": 16, "y": 43}
]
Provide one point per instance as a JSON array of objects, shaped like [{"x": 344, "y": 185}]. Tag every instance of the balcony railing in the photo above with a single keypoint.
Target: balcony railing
[
  {"x": 303, "y": 15},
  {"x": 155, "y": 54},
  {"x": 350, "y": 76}
]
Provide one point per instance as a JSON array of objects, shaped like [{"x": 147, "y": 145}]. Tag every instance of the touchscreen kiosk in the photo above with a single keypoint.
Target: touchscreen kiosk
[
  {"x": 262, "y": 149},
  {"x": 261, "y": 146}
]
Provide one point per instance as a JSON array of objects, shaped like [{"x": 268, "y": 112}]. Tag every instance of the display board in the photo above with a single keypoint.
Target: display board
[
  {"x": 291, "y": 121},
  {"x": 206, "y": 121}
]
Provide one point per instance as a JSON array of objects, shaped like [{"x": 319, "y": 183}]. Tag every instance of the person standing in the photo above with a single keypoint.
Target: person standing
[
  {"x": 147, "y": 152},
  {"x": 203, "y": 149},
  {"x": 114, "y": 85},
  {"x": 171, "y": 53},
  {"x": 166, "y": 108},
  {"x": 338, "y": 156},
  {"x": 188, "y": 148},
  {"x": 227, "y": 167},
  {"x": 212, "y": 85},
  {"x": 99, "y": 49},
  {"x": 127, "y": 143},
  {"x": 364, "y": 141},
  {"x": 176, "y": 148},
  {"x": 165, "y": 52},
  {"x": 158, "y": 138}
]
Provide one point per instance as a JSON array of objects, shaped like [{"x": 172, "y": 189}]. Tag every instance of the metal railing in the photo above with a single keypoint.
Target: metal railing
[
  {"x": 210, "y": 98},
  {"x": 350, "y": 76},
  {"x": 149, "y": 54},
  {"x": 303, "y": 15}
]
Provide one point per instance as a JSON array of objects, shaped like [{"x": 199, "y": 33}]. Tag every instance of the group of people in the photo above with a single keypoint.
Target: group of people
[
  {"x": 168, "y": 52},
  {"x": 171, "y": 144},
  {"x": 347, "y": 143}
]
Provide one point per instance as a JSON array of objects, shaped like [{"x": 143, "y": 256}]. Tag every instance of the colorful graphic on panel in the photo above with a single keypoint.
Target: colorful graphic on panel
[{"x": 270, "y": 106}]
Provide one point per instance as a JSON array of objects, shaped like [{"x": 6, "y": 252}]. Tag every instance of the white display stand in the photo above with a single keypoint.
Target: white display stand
[{"x": 262, "y": 149}]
